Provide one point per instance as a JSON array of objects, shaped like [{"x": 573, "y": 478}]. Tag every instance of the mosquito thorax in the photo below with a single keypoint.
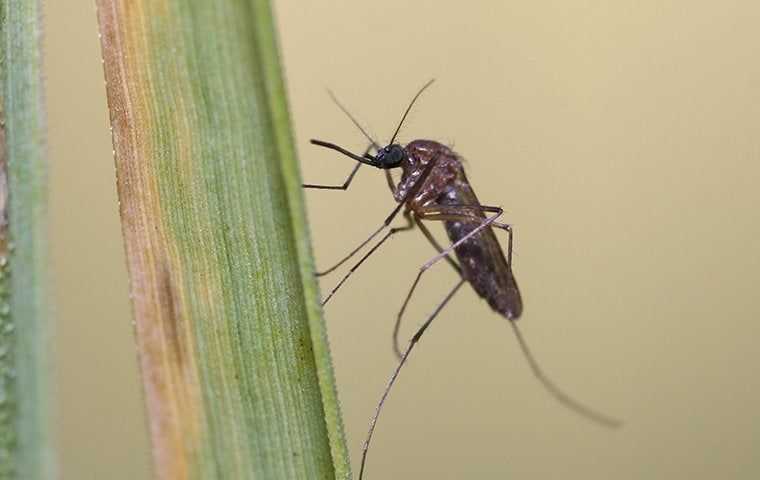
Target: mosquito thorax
[{"x": 390, "y": 156}]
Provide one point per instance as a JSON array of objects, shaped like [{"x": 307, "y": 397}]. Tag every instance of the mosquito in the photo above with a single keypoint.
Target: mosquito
[{"x": 434, "y": 188}]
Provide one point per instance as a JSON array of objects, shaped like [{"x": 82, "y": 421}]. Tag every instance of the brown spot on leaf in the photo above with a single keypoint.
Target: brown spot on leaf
[{"x": 171, "y": 319}]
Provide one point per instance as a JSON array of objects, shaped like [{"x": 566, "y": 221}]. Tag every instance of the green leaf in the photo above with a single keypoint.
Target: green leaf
[
  {"x": 233, "y": 351},
  {"x": 24, "y": 437}
]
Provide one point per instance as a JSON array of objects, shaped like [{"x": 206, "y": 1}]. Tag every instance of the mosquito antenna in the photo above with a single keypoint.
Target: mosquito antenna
[
  {"x": 556, "y": 392},
  {"x": 351, "y": 117},
  {"x": 409, "y": 108}
]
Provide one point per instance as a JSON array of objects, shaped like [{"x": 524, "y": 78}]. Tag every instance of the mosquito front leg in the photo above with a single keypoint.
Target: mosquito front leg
[
  {"x": 344, "y": 185},
  {"x": 389, "y": 180},
  {"x": 412, "y": 191}
]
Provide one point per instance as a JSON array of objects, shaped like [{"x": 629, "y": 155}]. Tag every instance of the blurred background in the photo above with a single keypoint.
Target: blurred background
[{"x": 622, "y": 141}]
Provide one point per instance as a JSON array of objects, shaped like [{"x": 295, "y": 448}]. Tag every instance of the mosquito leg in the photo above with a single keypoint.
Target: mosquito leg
[
  {"x": 442, "y": 253},
  {"x": 556, "y": 392},
  {"x": 437, "y": 246},
  {"x": 412, "y": 191},
  {"x": 485, "y": 223},
  {"x": 344, "y": 185},
  {"x": 353, "y": 252},
  {"x": 372, "y": 250},
  {"x": 389, "y": 179},
  {"x": 543, "y": 379},
  {"x": 451, "y": 213},
  {"x": 472, "y": 213},
  {"x": 510, "y": 235},
  {"x": 394, "y": 376}
]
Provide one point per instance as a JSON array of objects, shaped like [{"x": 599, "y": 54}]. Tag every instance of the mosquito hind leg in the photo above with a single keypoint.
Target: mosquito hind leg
[
  {"x": 436, "y": 245},
  {"x": 510, "y": 236},
  {"x": 439, "y": 249},
  {"x": 459, "y": 213},
  {"x": 415, "y": 339},
  {"x": 443, "y": 213},
  {"x": 471, "y": 213},
  {"x": 535, "y": 368}
]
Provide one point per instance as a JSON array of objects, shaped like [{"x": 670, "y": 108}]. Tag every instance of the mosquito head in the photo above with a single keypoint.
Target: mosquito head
[{"x": 390, "y": 156}]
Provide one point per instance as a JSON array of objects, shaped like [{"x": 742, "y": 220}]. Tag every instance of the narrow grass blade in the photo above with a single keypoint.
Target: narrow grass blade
[
  {"x": 232, "y": 346},
  {"x": 24, "y": 438}
]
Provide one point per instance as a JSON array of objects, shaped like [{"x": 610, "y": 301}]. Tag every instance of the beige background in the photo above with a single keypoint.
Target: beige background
[{"x": 623, "y": 143}]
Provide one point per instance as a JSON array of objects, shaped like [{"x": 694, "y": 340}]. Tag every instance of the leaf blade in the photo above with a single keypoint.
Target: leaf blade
[{"x": 237, "y": 376}]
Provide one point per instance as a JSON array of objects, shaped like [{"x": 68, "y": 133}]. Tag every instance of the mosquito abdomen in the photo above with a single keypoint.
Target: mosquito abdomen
[{"x": 481, "y": 257}]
